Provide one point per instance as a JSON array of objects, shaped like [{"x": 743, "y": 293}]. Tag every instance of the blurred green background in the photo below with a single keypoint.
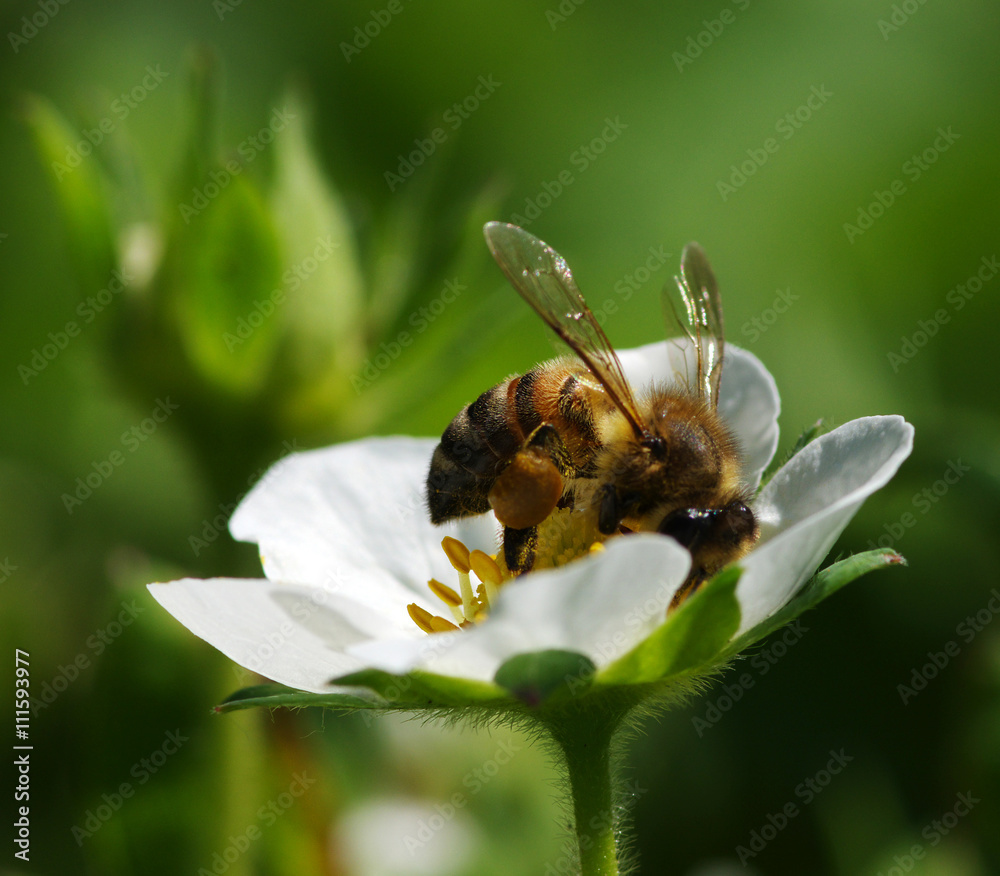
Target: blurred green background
[{"x": 839, "y": 163}]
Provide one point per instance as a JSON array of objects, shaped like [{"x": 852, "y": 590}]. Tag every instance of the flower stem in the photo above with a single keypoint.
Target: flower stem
[{"x": 585, "y": 738}]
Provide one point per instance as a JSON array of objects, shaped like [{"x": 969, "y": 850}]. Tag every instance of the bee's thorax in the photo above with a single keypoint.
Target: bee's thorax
[{"x": 687, "y": 457}]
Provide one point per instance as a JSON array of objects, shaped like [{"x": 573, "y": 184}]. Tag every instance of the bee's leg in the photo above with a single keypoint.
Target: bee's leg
[
  {"x": 530, "y": 487},
  {"x": 612, "y": 508},
  {"x": 519, "y": 548},
  {"x": 608, "y": 515},
  {"x": 691, "y": 527},
  {"x": 547, "y": 438},
  {"x": 693, "y": 582}
]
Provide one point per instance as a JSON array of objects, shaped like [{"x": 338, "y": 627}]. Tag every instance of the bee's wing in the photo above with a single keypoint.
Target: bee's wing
[
  {"x": 697, "y": 307},
  {"x": 544, "y": 280}
]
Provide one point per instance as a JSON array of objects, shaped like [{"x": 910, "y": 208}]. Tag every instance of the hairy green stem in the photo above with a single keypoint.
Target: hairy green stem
[{"x": 585, "y": 738}]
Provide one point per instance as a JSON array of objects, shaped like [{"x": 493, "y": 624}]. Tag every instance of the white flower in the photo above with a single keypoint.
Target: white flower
[{"x": 346, "y": 545}]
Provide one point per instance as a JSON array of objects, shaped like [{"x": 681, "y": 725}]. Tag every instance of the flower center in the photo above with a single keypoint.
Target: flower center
[
  {"x": 467, "y": 606},
  {"x": 567, "y": 535},
  {"x": 563, "y": 536}
]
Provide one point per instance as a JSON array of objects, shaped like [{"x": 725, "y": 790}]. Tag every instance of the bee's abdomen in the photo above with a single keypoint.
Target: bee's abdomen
[
  {"x": 575, "y": 405},
  {"x": 471, "y": 454},
  {"x": 486, "y": 434}
]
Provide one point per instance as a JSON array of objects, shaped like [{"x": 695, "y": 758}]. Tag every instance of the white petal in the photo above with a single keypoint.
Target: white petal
[
  {"x": 352, "y": 519},
  {"x": 749, "y": 403},
  {"x": 292, "y": 635},
  {"x": 807, "y": 504},
  {"x": 601, "y": 606},
  {"x": 748, "y": 397}
]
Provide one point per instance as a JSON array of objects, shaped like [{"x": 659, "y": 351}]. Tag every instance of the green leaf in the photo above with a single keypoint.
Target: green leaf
[
  {"x": 321, "y": 275},
  {"x": 443, "y": 351},
  {"x": 278, "y": 696},
  {"x": 80, "y": 188},
  {"x": 220, "y": 271},
  {"x": 423, "y": 689},
  {"x": 692, "y": 636},
  {"x": 825, "y": 583},
  {"x": 536, "y": 677},
  {"x": 202, "y": 110},
  {"x": 398, "y": 252}
]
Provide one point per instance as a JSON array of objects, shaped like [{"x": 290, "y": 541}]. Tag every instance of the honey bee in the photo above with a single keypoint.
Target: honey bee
[{"x": 571, "y": 433}]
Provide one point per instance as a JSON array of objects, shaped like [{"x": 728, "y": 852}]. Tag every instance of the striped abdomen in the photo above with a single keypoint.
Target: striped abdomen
[{"x": 482, "y": 439}]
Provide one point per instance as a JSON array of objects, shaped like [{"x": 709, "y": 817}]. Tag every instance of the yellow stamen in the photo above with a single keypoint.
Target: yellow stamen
[
  {"x": 486, "y": 568},
  {"x": 440, "y": 625},
  {"x": 491, "y": 594},
  {"x": 449, "y": 597},
  {"x": 457, "y": 553},
  {"x": 468, "y": 599},
  {"x": 421, "y": 617},
  {"x": 444, "y": 593},
  {"x": 489, "y": 573},
  {"x": 563, "y": 537}
]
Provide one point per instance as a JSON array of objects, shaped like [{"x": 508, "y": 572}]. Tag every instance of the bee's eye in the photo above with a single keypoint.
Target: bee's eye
[
  {"x": 687, "y": 525},
  {"x": 737, "y": 523},
  {"x": 739, "y": 514}
]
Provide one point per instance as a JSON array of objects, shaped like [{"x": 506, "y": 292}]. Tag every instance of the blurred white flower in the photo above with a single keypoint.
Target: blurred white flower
[{"x": 403, "y": 836}]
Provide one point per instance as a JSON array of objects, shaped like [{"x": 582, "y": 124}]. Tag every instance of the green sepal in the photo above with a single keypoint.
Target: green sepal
[
  {"x": 823, "y": 584},
  {"x": 275, "y": 696},
  {"x": 536, "y": 677},
  {"x": 692, "y": 636},
  {"x": 423, "y": 689}
]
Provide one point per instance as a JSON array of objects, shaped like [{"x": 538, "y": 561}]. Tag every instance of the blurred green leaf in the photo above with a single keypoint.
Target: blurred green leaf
[
  {"x": 200, "y": 154},
  {"x": 222, "y": 270},
  {"x": 80, "y": 188},
  {"x": 399, "y": 248},
  {"x": 310, "y": 211},
  {"x": 320, "y": 273},
  {"x": 443, "y": 350}
]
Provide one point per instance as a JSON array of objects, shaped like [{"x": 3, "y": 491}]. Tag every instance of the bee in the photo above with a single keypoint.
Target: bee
[{"x": 572, "y": 433}]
